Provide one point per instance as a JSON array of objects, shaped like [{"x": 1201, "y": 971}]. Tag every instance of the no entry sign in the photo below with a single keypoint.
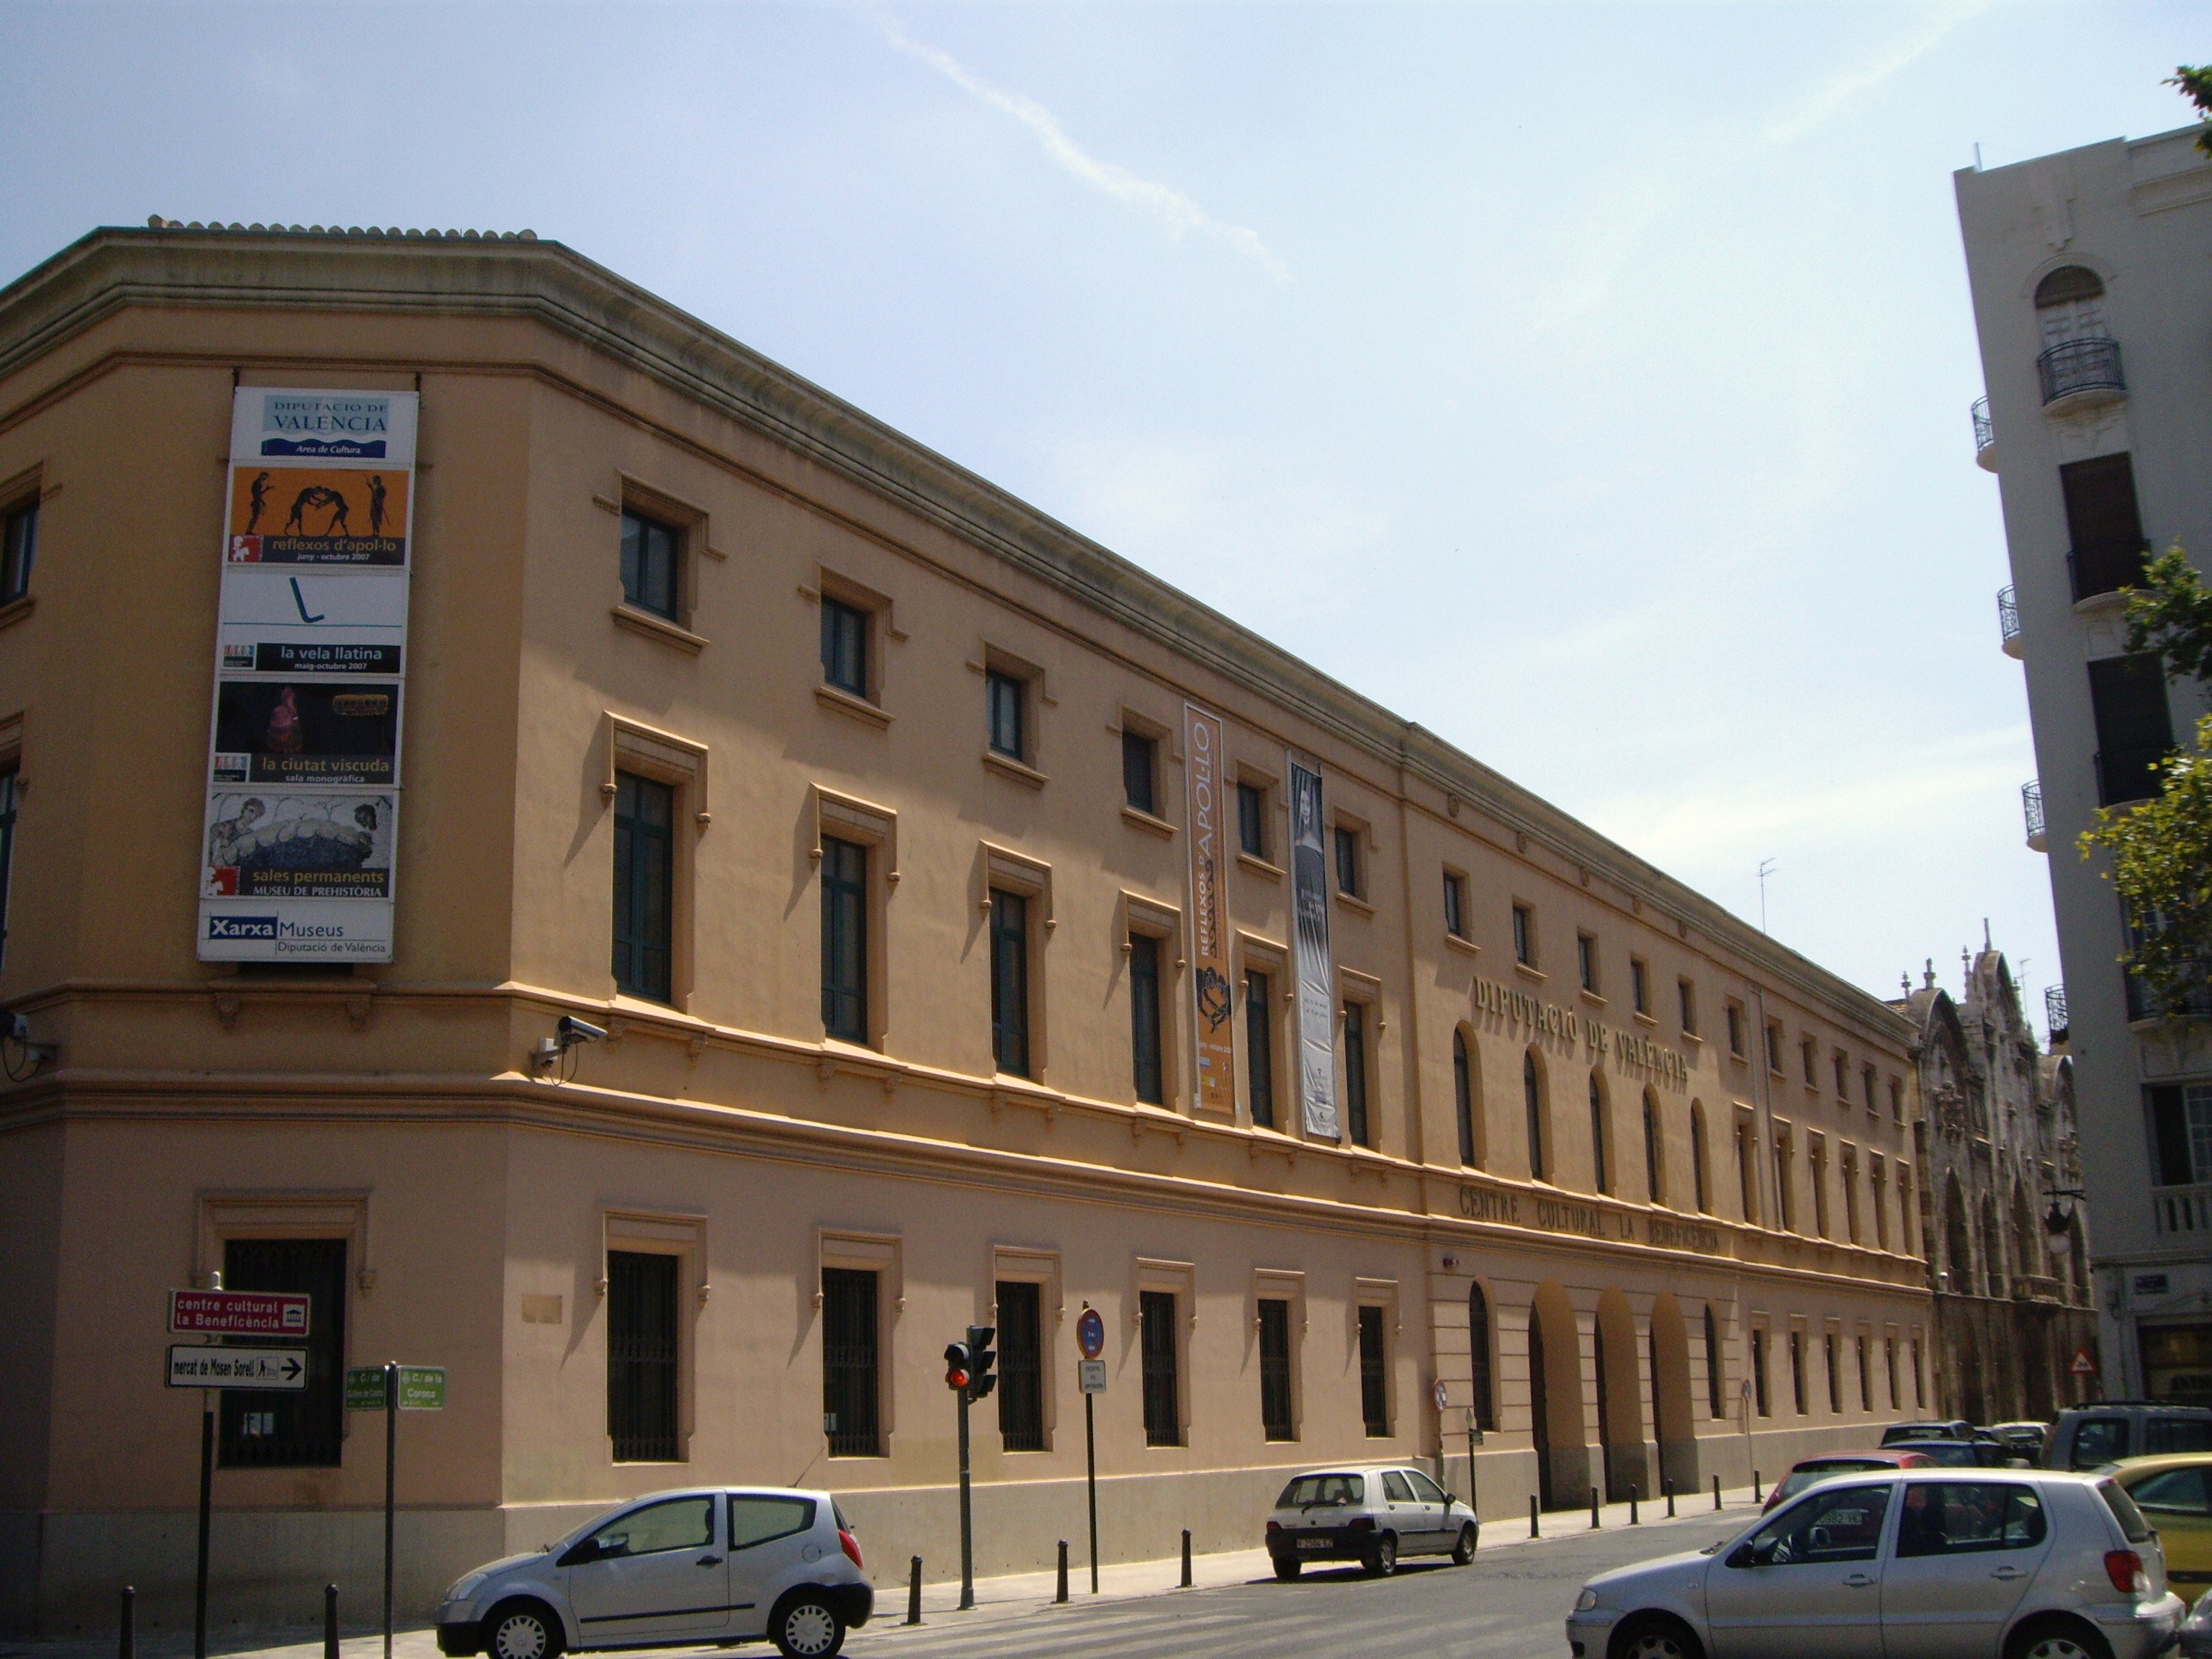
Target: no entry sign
[{"x": 238, "y": 1313}]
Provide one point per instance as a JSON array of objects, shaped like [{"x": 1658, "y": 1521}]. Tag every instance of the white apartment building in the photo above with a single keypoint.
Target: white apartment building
[{"x": 2092, "y": 280}]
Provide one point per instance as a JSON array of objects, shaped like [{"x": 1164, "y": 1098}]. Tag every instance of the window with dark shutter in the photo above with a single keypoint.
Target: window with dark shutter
[
  {"x": 650, "y": 575},
  {"x": 642, "y": 1354},
  {"x": 844, "y": 646},
  {"x": 290, "y": 1428},
  {"x": 1163, "y": 1386},
  {"x": 1478, "y": 1347},
  {"x": 1139, "y": 763},
  {"x": 2135, "y": 729},
  {"x": 1597, "y": 1135},
  {"x": 1252, "y": 819},
  {"x": 852, "y": 1384},
  {"x": 1455, "y": 904},
  {"x": 2104, "y": 525},
  {"x": 19, "y": 546},
  {"x": 1374, "y": 1375},
  {"x": 1463, "y": 1097},
  {"x": 1275, "y": 1419},
  {"x": 1347, "y": 860},
  {"x": 1355, "y": 1072},
  {"x": 1004, "y": 699},
  {"x": 1010, "y": 982},
  {"x": 644, "y": 892},
  {"x": 844, "y": 940},
  {"x": 1532, "y": 1101},
  {"x": 1716, "y": 1400},
  {"x": 1021, "y": 1366},
  {"x": 7, "y": 797},
  {"x": 1144, "y": 1017},
  {"x": 1260, "y": 1050}
]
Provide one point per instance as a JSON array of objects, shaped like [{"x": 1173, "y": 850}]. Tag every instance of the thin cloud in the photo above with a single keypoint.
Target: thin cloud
[
  {"x": 1173, "y": 209},
  {"x": 1836, "y": 94}
]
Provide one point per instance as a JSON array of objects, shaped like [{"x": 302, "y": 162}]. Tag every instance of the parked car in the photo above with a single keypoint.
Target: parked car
[
  {"x": 1983, "y": 1454},
  {"x": 2090, "y": 1436},
  {"x": 1373, "y": 1514},
  {"x": 1810, "y": 1469},
  {"x": 695, "y": 1565},
  {"x": 2025, "y": 1437},
  {"x": 1928, "y": 1563},
  {"x": 1956, "y": 1428},
  {"x": 2175, "y": 1495}
]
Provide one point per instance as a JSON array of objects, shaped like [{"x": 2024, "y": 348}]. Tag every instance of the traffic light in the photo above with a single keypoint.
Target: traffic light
[
  {"x": 981, "y": 1378},
  {"x": 956, "y": 1365}
]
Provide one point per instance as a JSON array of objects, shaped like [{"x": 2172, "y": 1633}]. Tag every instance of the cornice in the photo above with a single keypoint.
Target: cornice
[{"x": 112, "y": 268}]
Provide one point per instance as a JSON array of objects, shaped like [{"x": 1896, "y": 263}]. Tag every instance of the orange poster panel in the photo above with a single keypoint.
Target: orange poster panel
[
  {"x": 1214, "y": 996},
  {"x": 318, "y": 515}
]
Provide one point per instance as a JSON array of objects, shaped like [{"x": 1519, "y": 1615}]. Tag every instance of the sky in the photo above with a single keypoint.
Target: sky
[{"x": 1588, "y": 384}]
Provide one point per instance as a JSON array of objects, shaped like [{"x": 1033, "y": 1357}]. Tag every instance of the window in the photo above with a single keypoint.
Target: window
[
  {"x": 1785, "y": 1212},
  {"x": 1797, "y": 1370},
  {"x": 1816, "y": 1171},
  {"x": 1835, "y": 1381},
  {"x": 1478, "y": 1350},
  {"x": 1524, "y": 935},
  {"x": 1532, "y": 1094},
  {"x": 1162, "y": 1387},
  {"x": 1697, "y": 1159},
  {"x": 1968, "y": 1519},
  {"x": 19, "y": 542},
  {"x": 2175, "y": 1493},
  {"x": 1866, "y": 1085},
  {"x": 1374, "y": 1374},
  {"x": 1843, "y": 1068},
  {"x": 844, "y": 646},
  {"x": 1010, "y": 982},
  {"x": 1844, "y": 1524},
  {"x": 1355, "y": 1072},
  {"x": 1889, "y": 1356},
  {"x": 1021, "y": 1366},
  {"x": 1347, "y": 860},
  {"x": 1805, "y": 1059},
  {"x": 650, "y": 551},
  {"x": 2135, "y": 731},
  {"x": 7, "y": 800},
  {"x": 1275, "y": 1415},
  {"x": 1260, "y": 1049},
  {"x": 851, "y": 1374},
  {"x": 1685, "y": 994},
  {"x": 1252, "y": 819},
  {"x": 2181, "y": 1132},
  {"x": 1005, "y": 706},
  {"x": 1586, "y": 962},
  {"x": 757, "y": 1519},
  {"x": 1716, "y": 1397},
  {"x": 1758, "y": 1399},
  {"x": 1774, "y": 1045},
  {"x": 2104, "y": 525},
  {"x": 1455, "y": 904},
  {"x": 1601, "y": 1174},
  {"x": 674, "y": 1523},
  {"x": 1896, "y": 1101},
  {"x": 1144, "y": 1017},
  {"x": 1878, "y": 1198},
  {"x": 1736, "y": 1029},
  {"x": 1654, "y": 1185},
  {"x": 290, "y": 1428},
  {"x": 1745, "y": 1194},
  {"x": 1639, "y": 986},
  {"x": 1139, "y": 764},
  {"x": 1866, "y": 1378},
  {"x": 644, "y": 899},
  {"x": 643, "y": 1335},
  {"x": 1463, "y": 1097},
  {"x": 844, "y": 940},
  {"x": 1919, "y": 1389}
]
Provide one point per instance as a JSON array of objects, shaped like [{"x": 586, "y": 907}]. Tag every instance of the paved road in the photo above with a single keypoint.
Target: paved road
[{"x": 1510, "y": 1605}]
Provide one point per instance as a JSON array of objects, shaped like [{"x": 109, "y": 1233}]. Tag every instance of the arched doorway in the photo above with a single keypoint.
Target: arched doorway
[
  {"x": 1671, "y": 1413},
  {"x": 1555, "y": 1399},
  {"x": 1620, "y": 1400},
  {"x": 1540, "y": 1407}
]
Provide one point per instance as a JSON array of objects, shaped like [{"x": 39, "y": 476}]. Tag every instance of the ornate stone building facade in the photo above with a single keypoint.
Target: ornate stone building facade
[{"x": 1997, "y": 1140}]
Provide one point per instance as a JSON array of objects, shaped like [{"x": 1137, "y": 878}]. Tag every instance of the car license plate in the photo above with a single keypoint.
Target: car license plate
[{"x": 1314, "y": 1543}]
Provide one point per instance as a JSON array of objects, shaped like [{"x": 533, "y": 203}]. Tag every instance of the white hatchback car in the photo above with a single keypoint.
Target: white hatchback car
[
  {"x": 1929, "y": 1564},
  {"x": 673, "y": 1568},
  {"x": 1369, "y": 1513}
]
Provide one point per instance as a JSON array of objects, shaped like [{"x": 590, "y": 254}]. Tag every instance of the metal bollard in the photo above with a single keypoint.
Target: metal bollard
[
  {"x": 1633, "y": 1520},
  {"x": 913, "y": 1592},
  {"x": 1186, "y": 1558},
  {"x": 1060, "y": 1593},
  {"x": 330, "y": 1621},
  {"x": 1594, "y": 1520},
  {"x": 1533, "y": 1531},
  {"x": 1758, "y": 1495},
  {"x": 126, "y": 1625},
  {"x": 1716, "y": 1492},
  {"x": 1670, "y": 1497}
]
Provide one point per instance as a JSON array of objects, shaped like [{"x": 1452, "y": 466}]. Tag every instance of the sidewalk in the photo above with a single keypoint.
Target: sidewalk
[{"x": 998, "y": 1601}]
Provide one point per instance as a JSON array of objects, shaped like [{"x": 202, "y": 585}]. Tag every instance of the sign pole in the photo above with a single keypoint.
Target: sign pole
[
  {"x": 1090, "y": 1480},
  {"x": 208, "y": 1397},
  {"x": 391, "y": 1486}
]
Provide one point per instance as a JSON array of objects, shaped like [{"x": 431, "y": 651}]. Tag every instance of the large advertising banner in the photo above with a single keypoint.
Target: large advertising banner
[
  {"x": 1213, "y": 994},
  {"x": 1317, "y": 975},
  {"x": 304, "y": 766}
]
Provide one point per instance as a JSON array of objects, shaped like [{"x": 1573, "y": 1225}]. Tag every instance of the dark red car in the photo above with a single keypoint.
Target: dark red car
[{"x": 1809, "y": 1469}]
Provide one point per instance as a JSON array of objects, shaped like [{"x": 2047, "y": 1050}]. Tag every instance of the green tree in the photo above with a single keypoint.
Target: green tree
[
  {"x": 2196, "y": 85},
  {"x": 2161, "y": 849}
]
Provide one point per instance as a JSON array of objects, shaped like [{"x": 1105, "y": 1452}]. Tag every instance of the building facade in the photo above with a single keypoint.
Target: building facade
[
  {"x": 2090, "y": 287},
  {"x": 978, "y": 930},
  {"x": 1997, "y": 1142}
]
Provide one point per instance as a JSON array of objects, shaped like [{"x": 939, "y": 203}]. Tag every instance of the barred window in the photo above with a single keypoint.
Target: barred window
[
  {"x": 1162, "y": 1384},
  {"x": 851, "y": 1383},
  {"x": 1275, "y": 1414},
  {"x": 1021, "y": 1366},
  {"x": 290, "y": 1428},
  {"x": 642, "y": 1355},
  {"x": 1374, "y": 1374}
]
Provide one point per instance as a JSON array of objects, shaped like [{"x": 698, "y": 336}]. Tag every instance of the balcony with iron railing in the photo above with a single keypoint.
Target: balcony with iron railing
[
  {"x": 2099, "y": 568},
  {"x": 2132, "y": 772},
  {"x": 2031, "y": 807},
  {"x": 1985, "y": 436},
  {"x": 2143, "y": 1003},
  {"x": 2054, "y": 1010},
  {"x": 2183, "y": 1212},
  {"x": 2080, "y": 375},
  {"x": 2009, "y": 624}
]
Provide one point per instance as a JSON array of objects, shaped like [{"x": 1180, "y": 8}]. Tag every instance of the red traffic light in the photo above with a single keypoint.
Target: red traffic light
[{"x": 956, "y": 1378}]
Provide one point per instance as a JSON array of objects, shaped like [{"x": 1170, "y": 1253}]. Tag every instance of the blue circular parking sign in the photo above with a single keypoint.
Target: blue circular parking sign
[{"x": 1091, "y": 1334}]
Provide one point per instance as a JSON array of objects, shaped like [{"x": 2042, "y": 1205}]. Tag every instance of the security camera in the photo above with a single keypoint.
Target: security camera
[{"x": 572, "y": 1031}]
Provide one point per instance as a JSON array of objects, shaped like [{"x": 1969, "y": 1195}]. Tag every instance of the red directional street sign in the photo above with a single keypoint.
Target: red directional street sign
[{"x": 238, "y": 1313}]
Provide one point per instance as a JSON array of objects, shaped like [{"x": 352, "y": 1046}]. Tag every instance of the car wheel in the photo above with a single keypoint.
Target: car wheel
[
  {"x": 1464, "y": 1548},
  {"x": 522, "y": 1629},
  {"x": 1288, "y": 1567},
  {"x": 807, "y": 1626},
  {"x": 1654, "y": 1636},
  {"x": 2056, "y": 1638},
  {"x": 1383, "y": 1560}
]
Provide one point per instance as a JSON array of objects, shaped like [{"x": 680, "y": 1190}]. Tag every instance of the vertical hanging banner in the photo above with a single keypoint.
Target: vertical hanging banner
[
  {"x": 1213, "y": 999},
  {"x": 1316, "y": 976},
  {"x": 311, "y": 639}
]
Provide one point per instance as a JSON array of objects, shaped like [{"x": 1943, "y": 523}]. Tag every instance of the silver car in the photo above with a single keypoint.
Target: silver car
[
  {"x": 1370, "y": 1513},
  {"x": 698, "y": 1566},
  {"x": 1928, "y": 1563}
]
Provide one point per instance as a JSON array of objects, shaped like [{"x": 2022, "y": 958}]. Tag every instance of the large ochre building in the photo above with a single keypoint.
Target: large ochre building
[{"x": 981, "y": 929}]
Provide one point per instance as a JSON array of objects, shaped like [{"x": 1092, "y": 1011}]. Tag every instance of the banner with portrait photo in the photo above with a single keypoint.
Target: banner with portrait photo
[
  {"x": 1310, "y": 954},
  {"x": 267, "y": 845}
]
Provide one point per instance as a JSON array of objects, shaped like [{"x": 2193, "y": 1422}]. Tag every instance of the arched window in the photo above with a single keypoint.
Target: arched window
[
  {"x": 2069, "y": 305},
  {"x": 1478, "y": 1340},
  {"x": 1653, "y": 1182},
  {"x": 1698, "y": 1156},
  {"x": 1532, "y": 1090},
  {"x": 1597, "y": 1135},
  {"x": 1463, "y": 1096},
  {"x": 1713, "y": 1394}
]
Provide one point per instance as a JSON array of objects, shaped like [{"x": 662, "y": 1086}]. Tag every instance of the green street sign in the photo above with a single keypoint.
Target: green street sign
[{"x": 422, "y": 1389}]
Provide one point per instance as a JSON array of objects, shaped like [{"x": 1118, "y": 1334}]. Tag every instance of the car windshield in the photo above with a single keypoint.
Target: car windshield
[
  {"x": 1806, "y": 1473},
  {"x": 1308, "y": 1490}
]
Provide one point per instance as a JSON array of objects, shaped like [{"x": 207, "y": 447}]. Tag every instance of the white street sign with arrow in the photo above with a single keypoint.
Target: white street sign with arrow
[{"x": 237, "y": 1367}]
